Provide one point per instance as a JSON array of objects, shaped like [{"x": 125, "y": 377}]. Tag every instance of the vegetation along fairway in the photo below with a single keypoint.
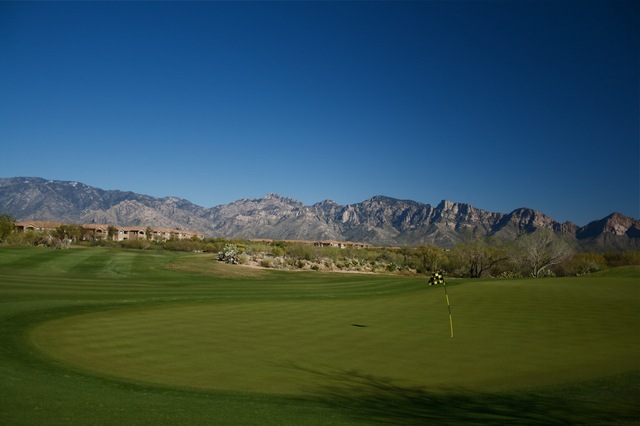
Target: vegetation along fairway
[{"x": 104, "y": 336}]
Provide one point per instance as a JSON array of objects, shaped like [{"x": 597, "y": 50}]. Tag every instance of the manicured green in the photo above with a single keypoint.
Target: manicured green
[{"x": 111, "y": 336}]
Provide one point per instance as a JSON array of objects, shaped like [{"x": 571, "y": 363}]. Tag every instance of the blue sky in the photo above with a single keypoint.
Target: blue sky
[{"x": 497, "y": 104}]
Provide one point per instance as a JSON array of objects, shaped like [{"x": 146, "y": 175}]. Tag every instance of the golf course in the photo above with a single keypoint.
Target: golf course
[{"x": 104, "y": 336}]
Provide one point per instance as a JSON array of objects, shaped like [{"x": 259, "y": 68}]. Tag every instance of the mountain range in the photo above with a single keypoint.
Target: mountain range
[{"x": 379, "y": 220}]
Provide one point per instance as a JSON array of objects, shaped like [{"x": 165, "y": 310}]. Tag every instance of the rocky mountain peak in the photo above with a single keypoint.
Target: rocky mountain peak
[
  {"x": 326, "y": 203},
  {"x": 528, "y": 218},
  {"x": 615, "y": 224},
  {"x": 280, "y": 199},
  {"x": 619, "y": 224},
  {"x": 445, "y": 205}
]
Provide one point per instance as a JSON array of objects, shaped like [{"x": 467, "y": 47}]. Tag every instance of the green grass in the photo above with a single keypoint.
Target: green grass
[{"x": 104, "y": 336}]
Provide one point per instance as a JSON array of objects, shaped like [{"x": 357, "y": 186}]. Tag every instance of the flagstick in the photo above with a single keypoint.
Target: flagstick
[
  {"x": 448, "y": 306},
  {"x": 437, "y": 278}
]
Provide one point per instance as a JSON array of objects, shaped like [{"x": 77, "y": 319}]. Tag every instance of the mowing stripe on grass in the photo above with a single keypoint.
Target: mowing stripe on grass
[{"x": 297, "y": 328}]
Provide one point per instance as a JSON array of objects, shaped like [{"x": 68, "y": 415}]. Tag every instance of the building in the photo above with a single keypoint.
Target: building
[{"x": 117, "y": 233}]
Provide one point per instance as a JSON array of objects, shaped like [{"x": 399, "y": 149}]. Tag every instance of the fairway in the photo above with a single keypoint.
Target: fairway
[{"x": 173, "y": 330}]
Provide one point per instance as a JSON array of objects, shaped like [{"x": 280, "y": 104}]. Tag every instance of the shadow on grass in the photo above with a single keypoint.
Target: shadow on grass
[{"x": 376, "y": 400}]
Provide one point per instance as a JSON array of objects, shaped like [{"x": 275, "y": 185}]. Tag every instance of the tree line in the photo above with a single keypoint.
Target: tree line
[
  {"x": 541, "y": 253},
  {"x": 538, "y": 254}
]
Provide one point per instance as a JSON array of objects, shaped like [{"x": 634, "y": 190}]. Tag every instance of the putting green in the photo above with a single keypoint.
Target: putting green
[{"x": 508, "y": 335}]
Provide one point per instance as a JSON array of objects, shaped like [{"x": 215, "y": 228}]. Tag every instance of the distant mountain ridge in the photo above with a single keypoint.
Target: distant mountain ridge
[{"x": 379, "y": 220}]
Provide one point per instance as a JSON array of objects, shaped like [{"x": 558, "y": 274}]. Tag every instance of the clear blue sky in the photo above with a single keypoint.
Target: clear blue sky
[{"x": 497, "y": 104}]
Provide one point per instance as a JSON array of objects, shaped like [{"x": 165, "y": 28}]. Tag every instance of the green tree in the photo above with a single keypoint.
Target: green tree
[
  {"x": 148, "y": 233},
  {"x": 74, "y": 232},
  {"x": 7, "y": 225},
  {"x": 431, "y": 256},
  {"x": 60, "y": 232},
  {"x": 68, "y": 232},
  {"x": 111, "y": 232}
]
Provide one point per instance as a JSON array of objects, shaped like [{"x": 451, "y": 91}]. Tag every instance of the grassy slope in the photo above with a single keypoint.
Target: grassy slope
[{"x": 164, "y": 317}]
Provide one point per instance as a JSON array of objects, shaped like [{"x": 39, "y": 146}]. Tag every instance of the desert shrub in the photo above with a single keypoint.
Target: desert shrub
[
  {"x": 581, "y": 264},
  {"x": 276, "y": 251},
  {"x": 332, "y": 253},
  {"x": 624, "y": 258},
  {"x": 211, "y": 247},
  {"x": 266, "y": 263},
  {"x": 214, "y": 245},
  {"x": 184, "y": 245},
  {"x": 254, "y": 248},
  {"x": 509, "y": 274},
  {"x": 385, "y": 256},
  {"x": 28, "y": 238},
  {"x": 301, "y": 251},
  {"x": 104, "y": 242},
  {"x": 504, "y": 269},
  {"x": 135, "y": 244},
  {"x": 230, "y": 253},
  {"x": 377, "y": 267}
]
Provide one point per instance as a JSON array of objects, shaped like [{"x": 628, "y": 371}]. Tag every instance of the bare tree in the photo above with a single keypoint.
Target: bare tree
[
  {"x": 478, "y": 256},
  {"x": 540, "y": 250}
]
